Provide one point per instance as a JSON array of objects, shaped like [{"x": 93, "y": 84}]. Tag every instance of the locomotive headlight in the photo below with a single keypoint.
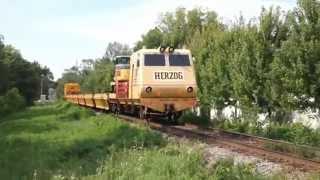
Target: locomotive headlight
[
  {"x": 148, "y": 89},
  {"x": 171, "y": 49},
  {"x": 190, "y": 89}
]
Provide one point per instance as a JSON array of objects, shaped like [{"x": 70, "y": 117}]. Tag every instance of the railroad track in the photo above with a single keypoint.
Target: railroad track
[
  {"x": 304, "y": 158},
  {"x": 299, "y": 151}
]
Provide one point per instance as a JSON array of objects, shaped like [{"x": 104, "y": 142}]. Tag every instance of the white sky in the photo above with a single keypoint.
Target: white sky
[{"x": 59, "y": 33}]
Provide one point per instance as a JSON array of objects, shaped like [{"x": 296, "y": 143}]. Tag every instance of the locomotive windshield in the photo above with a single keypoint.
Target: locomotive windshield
[
  {"x": 122, "y": 60},
  {"x": 159, "y": 60},
  {"x": 154, "y": 60},
  {"x": 179, "y": 60}
]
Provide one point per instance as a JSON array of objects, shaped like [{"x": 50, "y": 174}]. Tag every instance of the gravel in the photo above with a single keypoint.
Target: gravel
[{"x": 213, "y": 154}]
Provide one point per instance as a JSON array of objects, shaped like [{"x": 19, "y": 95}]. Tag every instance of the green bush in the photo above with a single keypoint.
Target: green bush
[
  {"x": 225, "y": 169},
  {"x": 192, "y": 118},
  {"x": 11, "y": 102},
  {"x": 236, "y": 125},
  {"x": 291, "y": 132},
  {"x": 295, "y": 132},
  {"x": 71, "y": 113},
  {"x": 241, "y": 125}
]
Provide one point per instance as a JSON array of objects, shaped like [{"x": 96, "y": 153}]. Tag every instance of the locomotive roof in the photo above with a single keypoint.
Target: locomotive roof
[
  {"x": 122, "y": 56},
  {"x": 146, "y": 51}
]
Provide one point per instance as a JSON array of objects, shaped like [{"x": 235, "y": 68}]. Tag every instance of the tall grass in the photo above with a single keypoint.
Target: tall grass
[
  {"x": 175, "y": 161},
  {"x": 63, "y": 141}
]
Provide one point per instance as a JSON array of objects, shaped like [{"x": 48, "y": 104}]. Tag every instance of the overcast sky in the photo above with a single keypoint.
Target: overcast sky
[{"x": 58, "y": 33}]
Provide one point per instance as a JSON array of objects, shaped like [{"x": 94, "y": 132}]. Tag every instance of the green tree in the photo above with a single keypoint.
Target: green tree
[
  {"x": 72, "y": 75},
  {"x": 99, "y": 78},
  {"x": 94, "y": 76},
  {"x": 20, "y": 73},
  {"x": 153, "y": 39},
  {"x": 11, "y": 102},
  {"x": 115, "y": 49},
  {"x": 296, "y": 67}
]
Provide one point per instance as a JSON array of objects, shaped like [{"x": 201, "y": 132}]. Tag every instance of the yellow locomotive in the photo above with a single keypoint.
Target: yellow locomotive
[{"x": 150, "y": 81}]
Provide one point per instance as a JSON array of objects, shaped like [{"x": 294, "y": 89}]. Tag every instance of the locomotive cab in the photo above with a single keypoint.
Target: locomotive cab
[
  {"x": 163, "y": 80},
  {"x": 121, "y": 77}
]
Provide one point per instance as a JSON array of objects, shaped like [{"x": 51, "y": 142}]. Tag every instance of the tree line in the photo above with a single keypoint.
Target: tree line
[
  {"x": 269, "y": 64},
  {"x": 94, "y": 75},
  {"x": 20, "y": 80}
]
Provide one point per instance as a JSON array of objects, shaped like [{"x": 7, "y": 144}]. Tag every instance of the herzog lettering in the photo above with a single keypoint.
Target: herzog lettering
[{"x": 168, "y": 75}]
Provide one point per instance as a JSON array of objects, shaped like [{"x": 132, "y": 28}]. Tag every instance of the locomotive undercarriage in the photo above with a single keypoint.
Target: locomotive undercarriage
[{"x": 144, "y": 112}]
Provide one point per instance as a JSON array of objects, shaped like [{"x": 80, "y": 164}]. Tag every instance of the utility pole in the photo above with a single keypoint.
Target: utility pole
[
  {"x": 41, "y": 85},
  {"x": 42, "y": 97}
]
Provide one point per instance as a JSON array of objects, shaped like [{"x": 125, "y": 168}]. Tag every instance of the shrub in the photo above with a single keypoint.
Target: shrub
[
  {"x": 225, "y": 169},
  {"x": 295, "y": 132},
  {"x": 236, "y": 125},
  {"x": 292, "y": 132},
  {"x": 241, "y": 125},
  {"x": 278, "y": 131},
  {"x": 192, "y": 118},
  {"x": 11, "y": 102}
]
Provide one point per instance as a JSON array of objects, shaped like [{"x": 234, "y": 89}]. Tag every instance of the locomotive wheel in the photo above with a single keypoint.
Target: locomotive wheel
[
  {"x": 114, "y": 108},
  {"x": 132, "y": 110},
  {"x": 120, "y": 109}
]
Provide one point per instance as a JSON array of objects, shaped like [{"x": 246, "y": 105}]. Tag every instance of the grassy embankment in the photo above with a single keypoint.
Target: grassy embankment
[{"x": 62, "y": 141}]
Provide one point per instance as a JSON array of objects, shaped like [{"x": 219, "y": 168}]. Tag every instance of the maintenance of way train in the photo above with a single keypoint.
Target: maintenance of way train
[{"x": 150, "y": 82}]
